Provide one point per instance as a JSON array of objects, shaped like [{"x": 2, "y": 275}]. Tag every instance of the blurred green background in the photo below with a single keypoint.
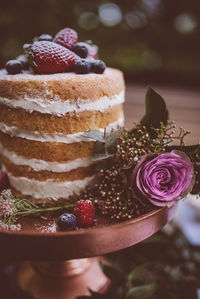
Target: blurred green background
[{"x": 150, "y": 40}]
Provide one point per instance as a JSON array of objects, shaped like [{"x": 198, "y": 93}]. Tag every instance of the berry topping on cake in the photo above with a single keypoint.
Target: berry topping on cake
[
  {"x": 14, "y": 67},
  {"x": 46, "y": 37},
  {"x": 81, "y": 50},
  {"x": 49, "y": 57},
  {"x": 97, "y": 66},
  {"x": 67, "y": 222},
  {"x": 66, "y": 37},
  {"x": 84, "y": 212},
  {"x": 82, "y": 66},
  {"x": 23, "y": 59},
  {"x": 4, "y": 182}
]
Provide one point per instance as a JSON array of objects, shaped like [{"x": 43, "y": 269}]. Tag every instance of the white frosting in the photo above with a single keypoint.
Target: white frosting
[
  {"x": 39, "y": 165},
  {"x": 58, "y": 137},
  {"x": 59, "y": 108},
  {"x": 48, "y": 188}
]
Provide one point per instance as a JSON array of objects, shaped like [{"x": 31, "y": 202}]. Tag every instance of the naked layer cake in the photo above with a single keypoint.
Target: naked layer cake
[{"x": 42, "y": 121}]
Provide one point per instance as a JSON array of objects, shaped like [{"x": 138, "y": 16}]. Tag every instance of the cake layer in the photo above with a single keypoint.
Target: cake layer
[
  {"x": 39, "y": 165},
  {"x": 25, "y": 171},
  {"x": 60, "y": 108},
  {"x": 47, "y": 151},
  {"x": 67, "y": 124},
  {"x": 47, "y": 189},
  {"x": 57, "y": 137},
  {"x": 63, "y": 86}
]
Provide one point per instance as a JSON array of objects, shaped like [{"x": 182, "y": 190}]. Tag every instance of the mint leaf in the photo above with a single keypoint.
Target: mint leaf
[
  {"x": 156, "y": 110},
  {"x": 95, "y": 135},
  {"x": 111, "y": 141},
  {"x": 138, "y": 271},
  {"x": 142, "y": 292}
]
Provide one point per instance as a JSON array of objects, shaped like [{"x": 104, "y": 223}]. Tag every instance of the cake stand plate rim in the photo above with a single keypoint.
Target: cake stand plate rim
[{"x": 83, "y": 231}]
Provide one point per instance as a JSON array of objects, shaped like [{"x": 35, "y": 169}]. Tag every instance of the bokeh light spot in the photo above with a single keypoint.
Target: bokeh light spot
[
  {"x": 88, "y": 20},
  {"x": 136, "y": 19},
  {"x": 185, "y": 23},
  {"x": 110, "y": 14}
]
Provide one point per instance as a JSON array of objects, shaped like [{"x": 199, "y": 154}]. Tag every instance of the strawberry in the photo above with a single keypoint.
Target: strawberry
[
  {"x": 4, "y": 182},
  {"x": 48, "y": 57},
  {"x": 66, "y": 37},
  {"x": 84, "y": 212}
]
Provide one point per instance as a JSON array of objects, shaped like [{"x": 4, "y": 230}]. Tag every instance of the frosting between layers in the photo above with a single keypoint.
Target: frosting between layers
[
  {"x": 59, "y": 107},
  {"x": 48, "y": 188},
  {"x": 39, "y": 165},
  {"x": 58, "y": 137}
]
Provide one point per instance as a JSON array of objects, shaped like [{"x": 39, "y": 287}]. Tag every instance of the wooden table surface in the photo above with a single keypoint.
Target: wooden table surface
[
  {"x": 183, "y": 106},
  {"x": 184, "y": 109}
]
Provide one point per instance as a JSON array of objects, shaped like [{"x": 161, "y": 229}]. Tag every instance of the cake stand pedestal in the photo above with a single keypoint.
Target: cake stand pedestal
[{"x": 62, "y": 265}]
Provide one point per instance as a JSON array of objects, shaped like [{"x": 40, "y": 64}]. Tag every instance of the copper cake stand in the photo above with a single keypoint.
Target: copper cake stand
[{"x": 64, "y": 265}]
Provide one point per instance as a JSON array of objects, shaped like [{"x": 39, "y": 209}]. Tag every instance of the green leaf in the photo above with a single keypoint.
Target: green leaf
[
  {"x": 113, "y": 274},
  {"x": 95, "y": 135},
  {"x": 156, "y": 110},
  {"x": 111, "y": 141},
  {"x": 142, "y": 292},
  {"x": 137, "y": 272},
  {"x": 101, "y": 157}
]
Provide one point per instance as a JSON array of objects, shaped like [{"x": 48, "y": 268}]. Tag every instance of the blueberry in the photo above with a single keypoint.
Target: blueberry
[
  {"x": 13, "y": 67},
  {"x": 46, "y": 37},
  {"x": 81, "y": 50},
  {"x": 67, "y": 222},
  {"x": 23, "y": 59},
  {"x": 97, "y": 66},
  {"x": 82, "y": 66}
]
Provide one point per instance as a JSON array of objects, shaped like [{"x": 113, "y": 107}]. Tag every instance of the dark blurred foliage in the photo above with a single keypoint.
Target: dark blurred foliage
[
  {"x": 164, "y": 266},
  {"x": 148, "y": 39}
]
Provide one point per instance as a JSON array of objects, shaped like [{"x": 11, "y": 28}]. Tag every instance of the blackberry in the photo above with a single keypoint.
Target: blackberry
[
  {"x": 67, "y": 222},
  {"x": 82, "y": 66},
  {"x": 81, "y": 50},
  {"x": 13, "y": 67},
  {"x": 98, "y": 66}
]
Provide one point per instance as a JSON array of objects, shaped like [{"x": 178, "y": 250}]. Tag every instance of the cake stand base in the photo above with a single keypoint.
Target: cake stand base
[
  {"x": 61, "y": 280},
  {"x": 39, "y": 241}
]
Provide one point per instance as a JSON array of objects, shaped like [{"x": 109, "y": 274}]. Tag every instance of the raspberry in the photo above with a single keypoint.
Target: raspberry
[
  {"x": 66, "y": 37},
  {"x": 84, "y": 212},
  {"x": 92, "y": 50},
  {"x": 4, "y": 182},
  {"x": 49, "y": 57}
]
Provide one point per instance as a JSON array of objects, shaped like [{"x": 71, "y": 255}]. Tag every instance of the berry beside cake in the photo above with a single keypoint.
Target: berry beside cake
[{"x": 45, "y": 110}]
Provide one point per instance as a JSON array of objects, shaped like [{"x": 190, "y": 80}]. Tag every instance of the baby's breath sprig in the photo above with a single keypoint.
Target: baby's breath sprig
[{"x": 12, "y": 208}]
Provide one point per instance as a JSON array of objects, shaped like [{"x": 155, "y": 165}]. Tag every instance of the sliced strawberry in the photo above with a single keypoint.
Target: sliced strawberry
[
  {"x": 66, "y": 37},
  {"x": 48, "y": 57}
]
